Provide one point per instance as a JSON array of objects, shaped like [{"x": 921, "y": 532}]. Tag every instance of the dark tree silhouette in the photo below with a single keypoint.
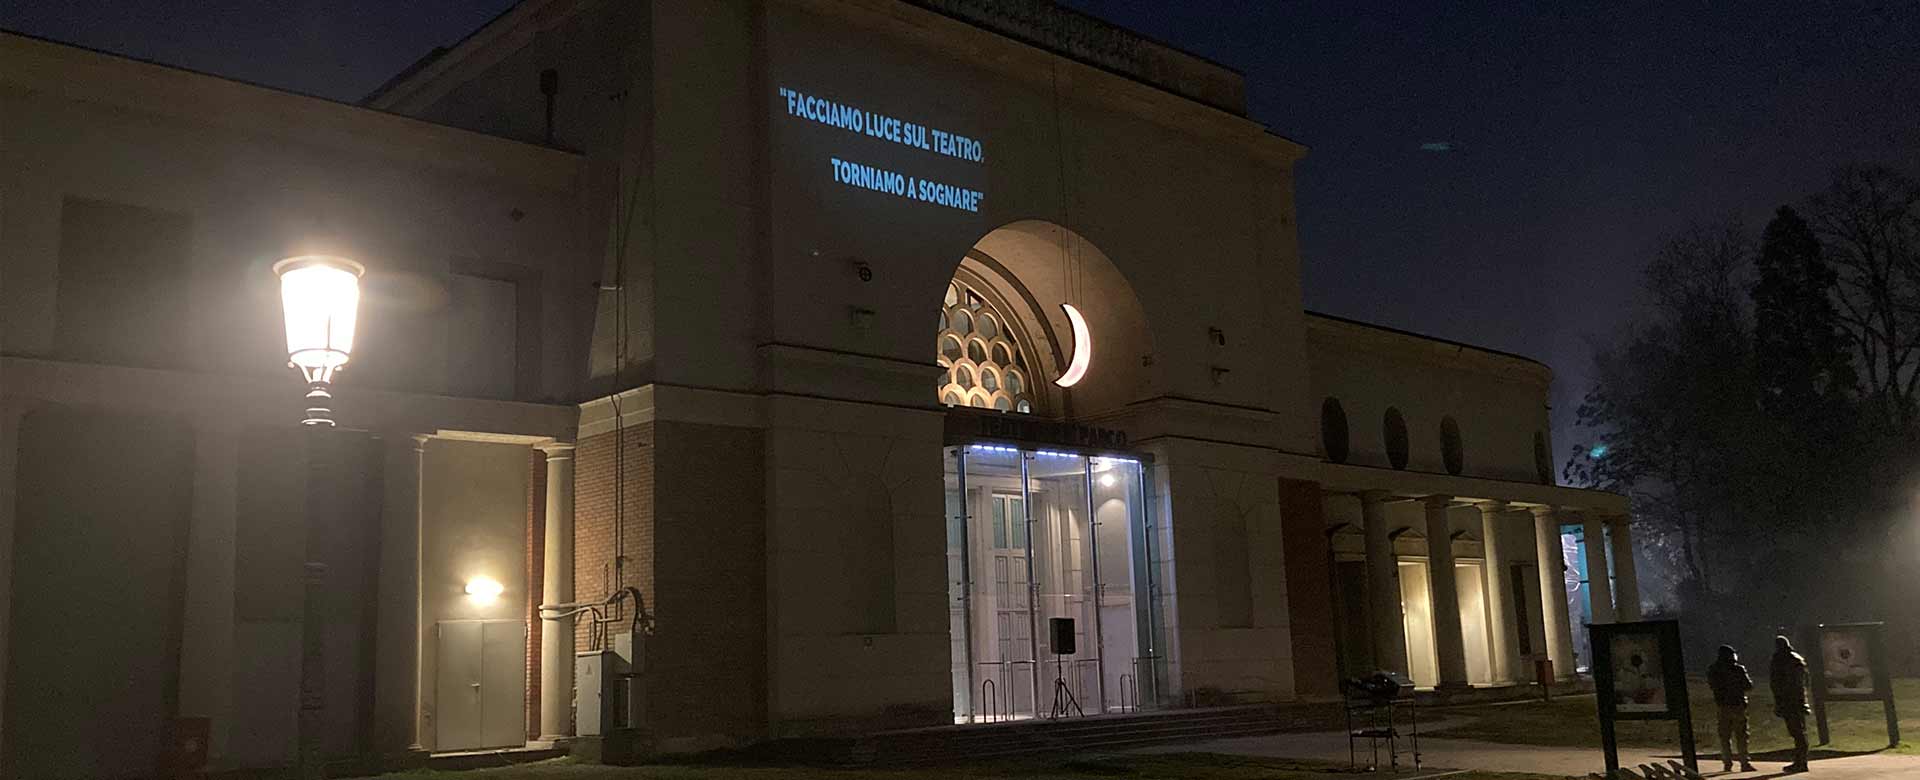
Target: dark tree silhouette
[{"x": 1868, "y": 222}]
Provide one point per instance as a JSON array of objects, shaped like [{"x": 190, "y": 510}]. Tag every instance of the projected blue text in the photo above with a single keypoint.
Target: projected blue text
[{"x": 913, "y": 135}]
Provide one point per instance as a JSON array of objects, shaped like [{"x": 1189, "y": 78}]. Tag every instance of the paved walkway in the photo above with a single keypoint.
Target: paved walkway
[{"x": 1570, "y": 762}]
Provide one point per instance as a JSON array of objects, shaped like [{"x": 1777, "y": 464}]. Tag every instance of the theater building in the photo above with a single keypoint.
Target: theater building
[{"x": 731, "y": 370}]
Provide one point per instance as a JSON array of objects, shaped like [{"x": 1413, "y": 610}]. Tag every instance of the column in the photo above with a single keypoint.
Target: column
[
  {"x": 556, "y": 637},
  {"x": 1448, "y": 643},
  {"x": 1389, "y": 628},
  {"x": 397, "y": 637},
  {"x": 12, "y": 414},
  {"x": 1500, "y": 624},
  {"x": 1553, "y": 591},
  {"x": 420, "y": 682},
  {"x": 1626, "y": 583},
  {"x": 207, "y": 638},
  {"x": 1599, "y": 589}
]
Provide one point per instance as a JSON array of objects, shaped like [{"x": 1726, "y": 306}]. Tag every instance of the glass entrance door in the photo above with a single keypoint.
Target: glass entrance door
[{"x": 1046, "y": 551}]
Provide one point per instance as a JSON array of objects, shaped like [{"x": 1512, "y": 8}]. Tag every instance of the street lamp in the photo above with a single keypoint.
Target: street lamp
[{"x": 320, "y": 295}]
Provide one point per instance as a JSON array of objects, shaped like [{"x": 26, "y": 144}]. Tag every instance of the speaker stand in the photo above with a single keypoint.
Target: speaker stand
[{"x": 1063, "y": 699}]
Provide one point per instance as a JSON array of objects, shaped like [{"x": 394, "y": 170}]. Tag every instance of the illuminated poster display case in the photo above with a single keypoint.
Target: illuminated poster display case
[
  {"x": 1640, "y": 673},
  {"x": 1851, "y": 665}
]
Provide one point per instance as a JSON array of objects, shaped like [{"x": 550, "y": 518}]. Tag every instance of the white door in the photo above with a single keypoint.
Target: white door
[
  {"x": 480, "y": 694},
  {"x": 1475, "y": 636},
  {"x": 1416, "y": 605}
]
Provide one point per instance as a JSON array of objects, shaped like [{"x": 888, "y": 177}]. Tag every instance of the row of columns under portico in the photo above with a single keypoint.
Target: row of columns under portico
[{"x": 1608, "y": 538}]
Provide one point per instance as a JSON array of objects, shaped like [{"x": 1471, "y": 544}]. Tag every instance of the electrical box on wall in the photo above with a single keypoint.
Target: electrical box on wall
[
  {"x": 606, "y": 685},
  {"x": 600, "y": 682}
]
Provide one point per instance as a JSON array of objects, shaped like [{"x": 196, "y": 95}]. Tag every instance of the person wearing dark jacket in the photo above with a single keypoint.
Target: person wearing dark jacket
[
  {"x": 1730, "y": 682},
  {"x": 1789, "y": 682}
]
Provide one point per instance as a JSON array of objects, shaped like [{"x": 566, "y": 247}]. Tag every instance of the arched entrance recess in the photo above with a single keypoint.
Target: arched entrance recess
[
  {"x": 1023, "y": 272},
  {"x": 1052, "y": 604}
]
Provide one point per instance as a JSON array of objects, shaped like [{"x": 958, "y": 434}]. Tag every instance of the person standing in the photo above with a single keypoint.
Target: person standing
[
  {"x": 1789, "y": 683},
  {"x": 1730, "y": 682}
]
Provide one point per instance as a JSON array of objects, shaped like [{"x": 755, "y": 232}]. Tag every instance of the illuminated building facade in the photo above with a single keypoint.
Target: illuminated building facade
[{"x": 825, "y": 360}]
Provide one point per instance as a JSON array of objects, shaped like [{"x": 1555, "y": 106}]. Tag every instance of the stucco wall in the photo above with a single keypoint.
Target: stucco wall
[
  {"x": 474, "y": 526},
  {"x": 1228, "y": 583},
  {"x": 253, "y": 191},
  {"x": 856, "y": 549},
  {"x": 1499, "y": 402}
]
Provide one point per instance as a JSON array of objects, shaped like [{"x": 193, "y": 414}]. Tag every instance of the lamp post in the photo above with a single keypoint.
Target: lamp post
[{"x": 320, "y": 297}]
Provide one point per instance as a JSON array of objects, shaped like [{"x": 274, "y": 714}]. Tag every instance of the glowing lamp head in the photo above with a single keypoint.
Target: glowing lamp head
[
  {"x": 320, "y": 297},
  {"x": 483, "y": 590},
  {"x": 1108, "y": 480}
]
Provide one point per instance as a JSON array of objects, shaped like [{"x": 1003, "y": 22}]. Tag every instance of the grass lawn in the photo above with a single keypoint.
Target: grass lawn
[
  {"x": 1167, "y": 766},
  {"x": 1574, "y": 721}
]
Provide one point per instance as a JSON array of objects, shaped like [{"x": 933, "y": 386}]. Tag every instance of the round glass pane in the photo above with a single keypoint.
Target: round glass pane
[
  {"x": 1002, "y": 404},
  {"x": 962, "y": 377},
  {"x": 979, "y": 402},
  {"x": 987, "y": 326},
  {"x": 950, "y": 399},
  {"x": 962, "y": 321},
  {"x": 988, "y": 380},
  {"x": 1013, "y": 383},
  {"x": 976, "y": 352},
  {"x": 950, "y": 348},
  {"x": 1000, "y": 355},
  {"x": 1024, "y": 407}
]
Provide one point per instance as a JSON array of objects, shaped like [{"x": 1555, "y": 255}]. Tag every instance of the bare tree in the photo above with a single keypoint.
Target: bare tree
[{"x": 1868, "y": 221}]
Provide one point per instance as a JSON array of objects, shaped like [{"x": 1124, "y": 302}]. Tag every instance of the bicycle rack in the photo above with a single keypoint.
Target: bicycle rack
[{"x": 989, "y": 696}]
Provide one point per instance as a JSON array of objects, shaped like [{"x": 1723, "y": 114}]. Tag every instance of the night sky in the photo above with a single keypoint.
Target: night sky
[{"x": 1576, "y": 134}]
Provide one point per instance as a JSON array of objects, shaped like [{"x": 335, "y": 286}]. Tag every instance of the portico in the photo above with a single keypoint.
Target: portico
[{"x": 1493, "y": 549}]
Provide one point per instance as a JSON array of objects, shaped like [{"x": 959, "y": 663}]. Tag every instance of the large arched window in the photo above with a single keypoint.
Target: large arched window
[
  {"x": 1333, "y": 430},
  {"x": 1393, "y": 433},
  {"x": 985, "y": 367}
]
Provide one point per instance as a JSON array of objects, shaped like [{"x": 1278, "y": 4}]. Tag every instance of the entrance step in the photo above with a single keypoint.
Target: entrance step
[
  {"x": 972, "y": 742},
  {"x": 498, "y": 757}
]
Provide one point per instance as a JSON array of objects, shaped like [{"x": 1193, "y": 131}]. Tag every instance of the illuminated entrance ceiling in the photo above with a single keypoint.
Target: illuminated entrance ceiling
[{"x": 985, "y": 366}]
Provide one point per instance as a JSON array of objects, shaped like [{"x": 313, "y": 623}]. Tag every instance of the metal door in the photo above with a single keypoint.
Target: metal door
[
  {"x": 503, "y": 683},
  {"x": 457, "y": 696},
  {"x": 480, "y": 696}
]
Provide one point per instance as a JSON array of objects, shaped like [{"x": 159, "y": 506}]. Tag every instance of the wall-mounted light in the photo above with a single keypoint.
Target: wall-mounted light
[
  {"x": 1107, "y": 479},
  {"x": 1082, "y": 348},
  {"x": 483, "y": 590}
]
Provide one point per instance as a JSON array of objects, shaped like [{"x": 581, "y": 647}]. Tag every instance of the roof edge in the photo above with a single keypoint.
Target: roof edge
[
  {"x": 78, "y": 73},
  {"x": 1528, "y": 363}
]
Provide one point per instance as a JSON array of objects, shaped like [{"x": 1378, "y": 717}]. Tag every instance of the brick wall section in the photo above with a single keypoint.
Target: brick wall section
[
  {"x": 1309, "y": 588},
  {"x": 536, "y": 579},
  {"x": 593, "y": 523}
]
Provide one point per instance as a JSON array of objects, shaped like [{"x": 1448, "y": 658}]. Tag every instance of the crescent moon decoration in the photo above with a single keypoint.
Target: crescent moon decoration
[{"x": 1082, "y": 348}]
